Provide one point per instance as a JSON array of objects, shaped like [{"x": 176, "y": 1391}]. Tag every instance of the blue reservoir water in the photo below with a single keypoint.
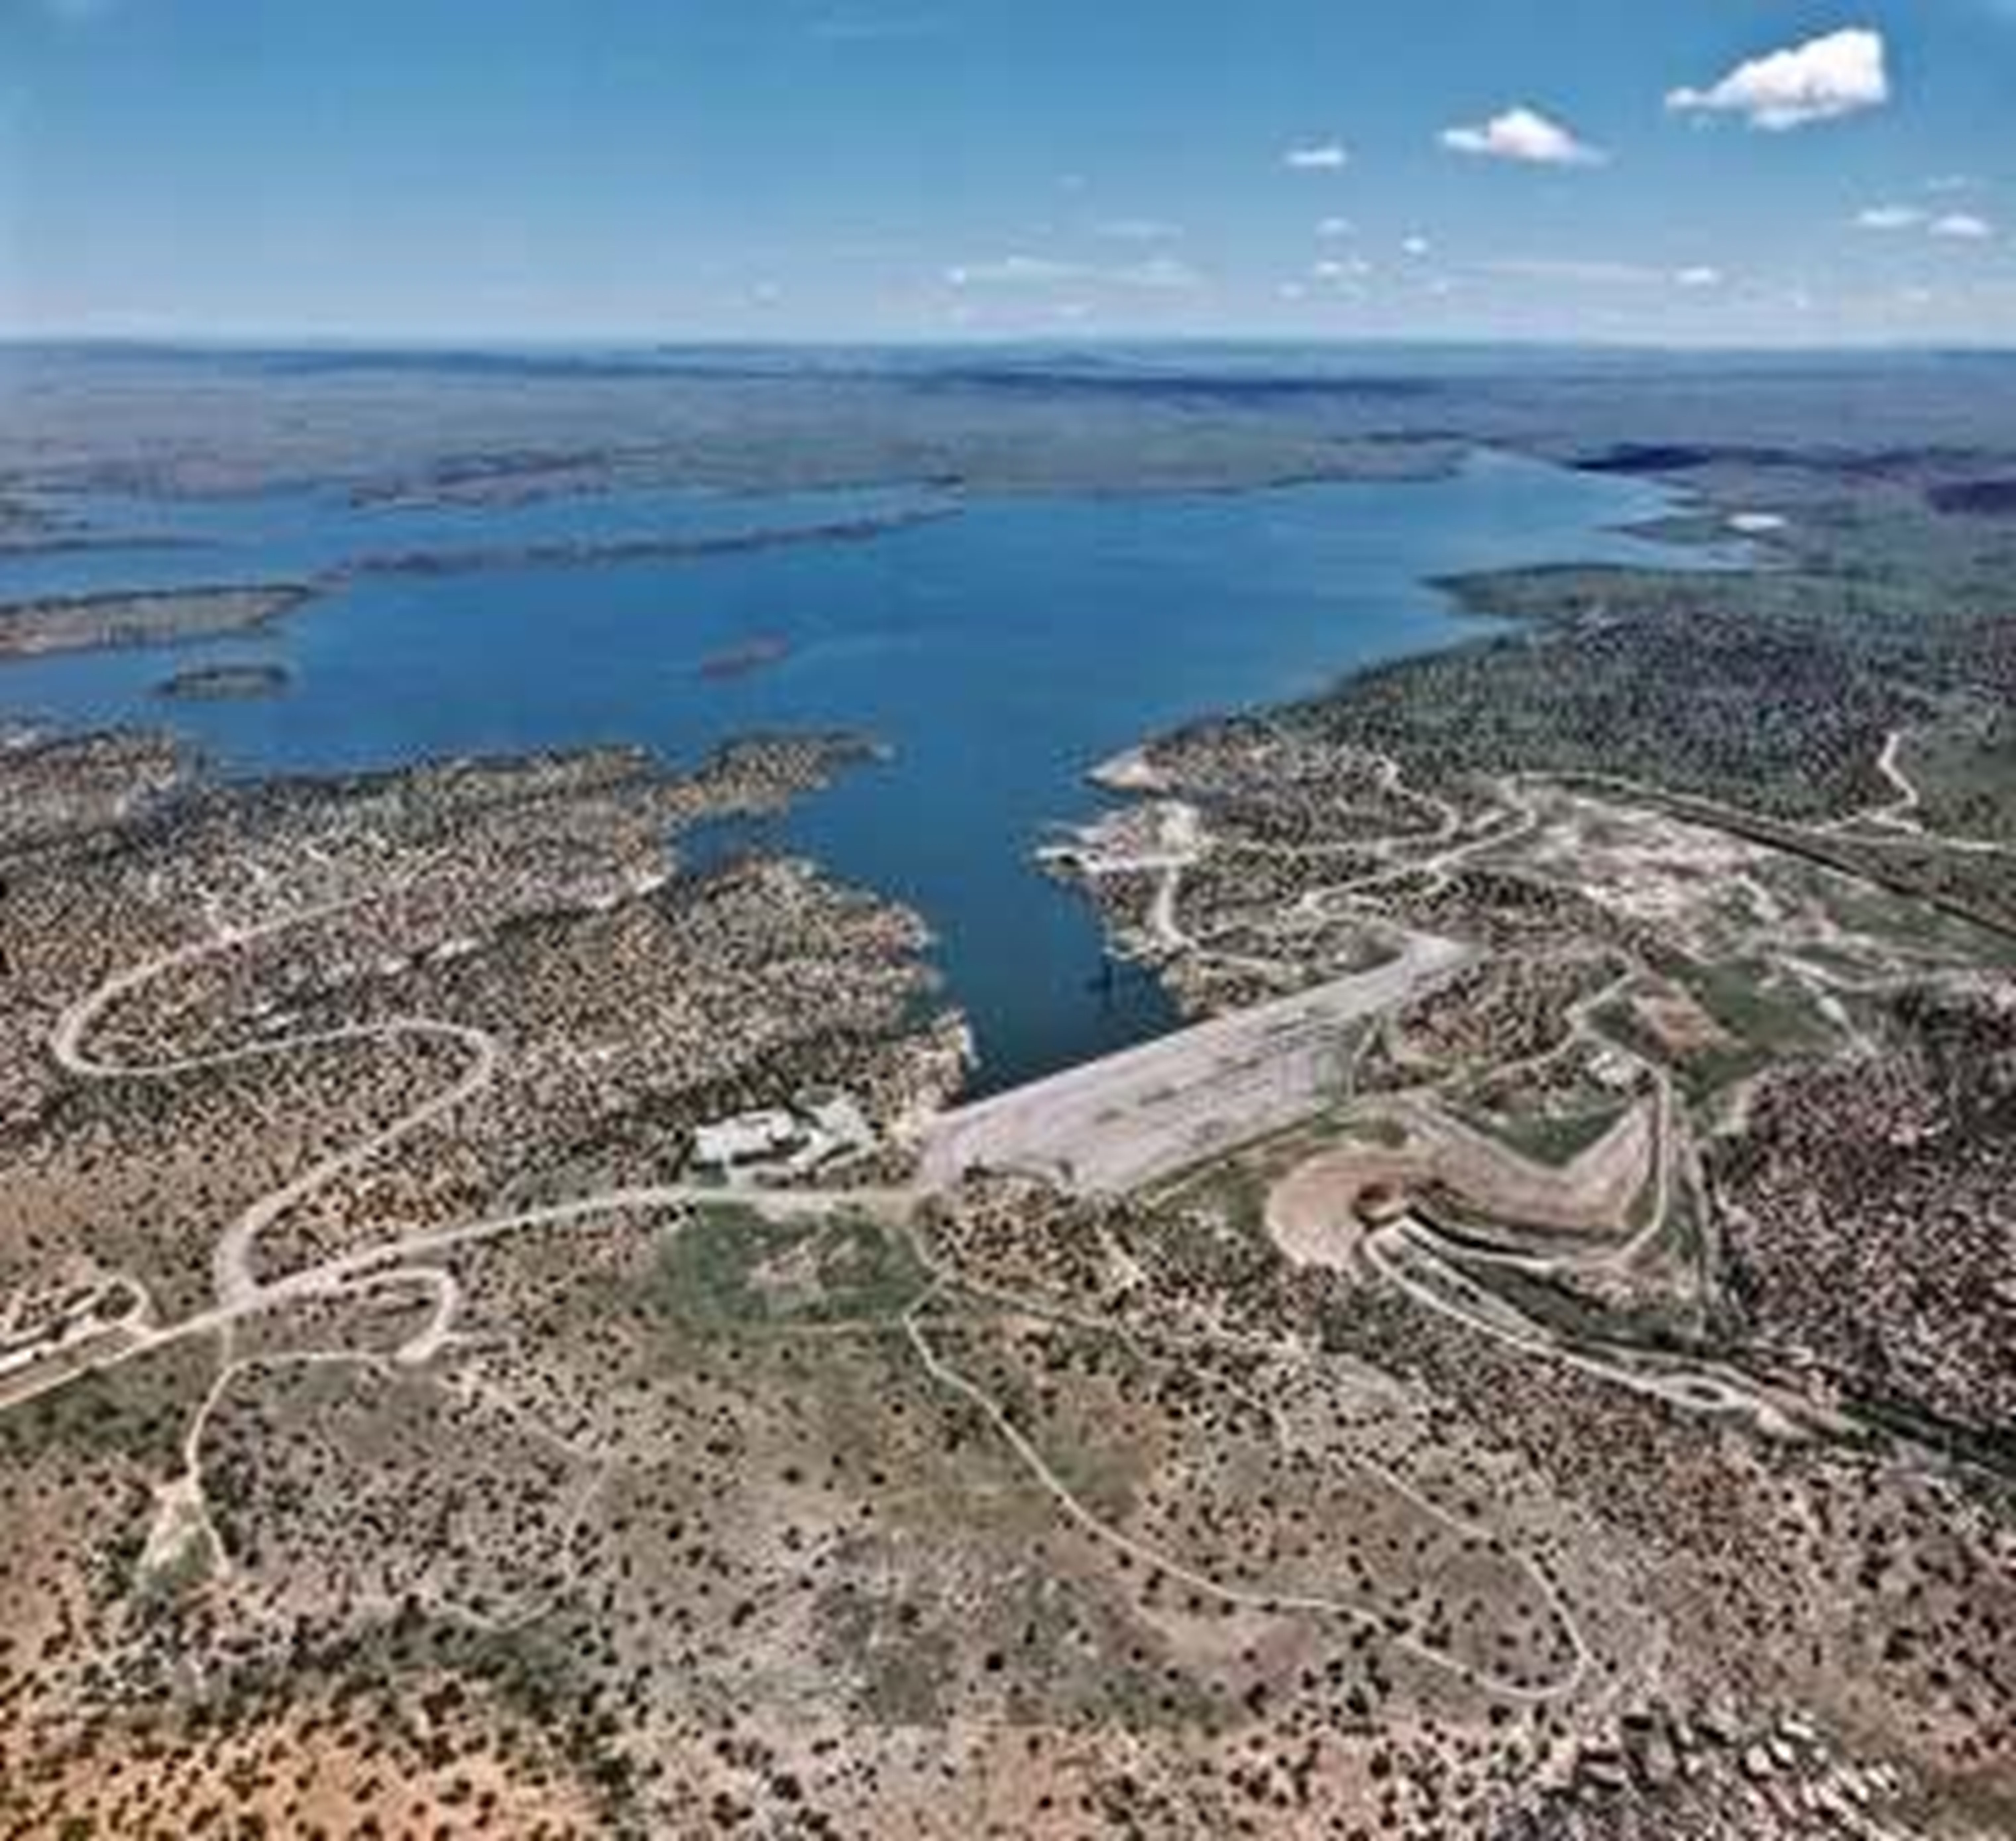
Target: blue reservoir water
[{"x": 999, "y": 654}]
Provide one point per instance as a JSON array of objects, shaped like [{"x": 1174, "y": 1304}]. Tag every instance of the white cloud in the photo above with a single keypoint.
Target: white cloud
[
  {"x": 1336, "y": 227},
  {"x": 1822, "y": 79},
  {"x": 1325, "y": 156},
  {"x": 1416, "y": 246},
  {"x": 1958, "y": 226},
  {"x": 1702, "y": 275},
  {"x": 1525, "y": 135},
  {"x": 1334, "y": 270}
]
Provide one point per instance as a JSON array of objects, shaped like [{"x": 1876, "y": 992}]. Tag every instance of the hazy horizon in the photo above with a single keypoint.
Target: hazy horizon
[{"x": 281, "y": 341}]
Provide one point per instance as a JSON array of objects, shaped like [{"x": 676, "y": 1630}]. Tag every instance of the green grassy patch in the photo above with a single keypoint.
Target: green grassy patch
[
  {"x": 1965, "y": 771},
  {"x": 1763, "y": 1005},
  {"x": 1555, "y": 1138},
  {"x": 731, "y": 1265}
]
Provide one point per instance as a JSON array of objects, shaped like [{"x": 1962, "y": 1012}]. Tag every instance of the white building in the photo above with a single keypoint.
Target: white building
[
  {"x": 838, "y": 1122},
  {"x": 750, "y": 1138},
  {"x": 822, "y": 1125}
]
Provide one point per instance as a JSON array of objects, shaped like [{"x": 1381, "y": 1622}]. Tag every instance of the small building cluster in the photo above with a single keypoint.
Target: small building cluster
[{"x": 820, "y": 1127}]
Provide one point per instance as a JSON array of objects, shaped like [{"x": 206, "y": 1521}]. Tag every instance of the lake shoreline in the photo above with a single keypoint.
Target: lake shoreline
[{"x": 964, "y": 643}]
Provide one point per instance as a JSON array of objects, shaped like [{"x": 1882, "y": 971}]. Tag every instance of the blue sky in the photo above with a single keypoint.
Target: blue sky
[{"x": 1720, "y": 171}]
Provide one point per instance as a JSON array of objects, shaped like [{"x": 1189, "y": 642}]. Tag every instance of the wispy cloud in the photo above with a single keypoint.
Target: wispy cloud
[
  {"x": 863, "y": 25},
  {"x": 1596, "y": 272},
  {"x": 1959, "y": 226},
  {"x": 1526, "y": 136},
  {"x": 1822, "y": 79},
  {"x": 1158, "y": 274},
  {"x": 1137, "y": 230},
  {"x": 1583, "y": 270},
  {"x": 1320, "y": 157},
  {"x": 1013, "y": 271}
]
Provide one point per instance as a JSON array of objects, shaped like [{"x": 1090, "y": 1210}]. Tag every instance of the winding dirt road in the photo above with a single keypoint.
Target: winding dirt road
[
  {"x": 241, "y": 1294},
  {"x": 1108, "y": 1126}
]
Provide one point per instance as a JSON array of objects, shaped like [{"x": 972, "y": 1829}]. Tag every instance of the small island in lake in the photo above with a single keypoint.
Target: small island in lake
[
  {"x": 223, "y": 683},
  {"x": 754, "y": 654},
  {"x": 90, "y": 622}
]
